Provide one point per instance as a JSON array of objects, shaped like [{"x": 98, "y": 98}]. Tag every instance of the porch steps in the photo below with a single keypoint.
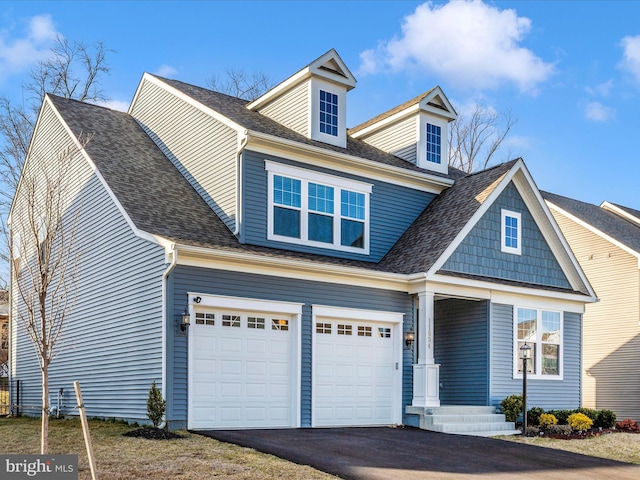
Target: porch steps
[{"x": 464, "y": 420}]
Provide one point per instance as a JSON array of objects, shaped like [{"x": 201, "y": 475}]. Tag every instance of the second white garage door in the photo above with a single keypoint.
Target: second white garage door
[{"x": 356, "y": 373}]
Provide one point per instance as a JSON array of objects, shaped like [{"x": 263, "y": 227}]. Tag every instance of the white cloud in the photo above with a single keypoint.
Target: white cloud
[
  {"x": 17, "y": 54},
  {"x": 597, "y": 112},
  {"x": 631, "y": 56},
  {"x": 603, "y": 90},
  {"x": 166, "y": 71},
  {"x": 468, "y": 43}
]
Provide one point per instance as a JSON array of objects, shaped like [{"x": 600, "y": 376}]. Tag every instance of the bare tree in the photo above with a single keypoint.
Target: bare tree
[
  {"x": 238, "y": 83},
  {"x": 73, "y": 70},
  {"x": 44, "y": 259},
  {"x": 475, "y": 138}
]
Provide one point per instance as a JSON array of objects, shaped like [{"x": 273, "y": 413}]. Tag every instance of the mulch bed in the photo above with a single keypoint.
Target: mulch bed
[{"x": 152, "y": 433}]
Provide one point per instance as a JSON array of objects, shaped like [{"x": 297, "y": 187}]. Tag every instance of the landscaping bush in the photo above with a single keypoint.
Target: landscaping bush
[
  {"x": 533, "y": 415},
  {"x": 628, "y": 425},
  {"x": 605, "y": 419},
  {"x": 559, "y": 430},
  {"x": 156, "y": 406},
  {"x": 547, "y": 420},
  {"x": 532, "y": 432},
  {"x": 589, "y": 412},
  {"x": 561, "y": 415},
  {"x": 512, "y": 407},
  {"x": 579, "y": 422}
]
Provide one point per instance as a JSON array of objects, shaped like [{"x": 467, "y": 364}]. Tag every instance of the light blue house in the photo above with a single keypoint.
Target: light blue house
[{"x": 328, "y": 276}]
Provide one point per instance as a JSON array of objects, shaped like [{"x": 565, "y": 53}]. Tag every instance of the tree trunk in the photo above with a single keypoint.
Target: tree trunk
[{"x": 44, "y": 434}]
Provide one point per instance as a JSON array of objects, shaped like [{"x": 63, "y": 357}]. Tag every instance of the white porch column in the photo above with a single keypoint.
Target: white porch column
[{"x": 426, "y": 373}]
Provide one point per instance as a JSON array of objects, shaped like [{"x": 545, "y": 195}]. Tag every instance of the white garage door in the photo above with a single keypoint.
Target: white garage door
[
  {"x": 241, "y": 369},
  {"x": 355, "y": 373}
]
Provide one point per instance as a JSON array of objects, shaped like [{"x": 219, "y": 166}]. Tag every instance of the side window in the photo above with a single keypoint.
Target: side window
[
  {"x": 287, "y": 200},
  {"x": 542, "y": 331},
  {"x": 511, "y": 232}
]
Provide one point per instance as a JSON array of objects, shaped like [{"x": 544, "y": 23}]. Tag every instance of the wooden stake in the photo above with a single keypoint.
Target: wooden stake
[{"x": 85, "y": 431}]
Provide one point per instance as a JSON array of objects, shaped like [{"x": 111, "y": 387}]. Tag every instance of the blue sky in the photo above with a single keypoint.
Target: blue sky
[{"x": 568, "y": 70}]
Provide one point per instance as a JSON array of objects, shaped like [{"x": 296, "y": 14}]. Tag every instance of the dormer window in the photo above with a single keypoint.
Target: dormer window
[
  {"x": 318, "y": 210},
  {"x": 328, "y": 113},
  {"x": 434, "y": 143}
]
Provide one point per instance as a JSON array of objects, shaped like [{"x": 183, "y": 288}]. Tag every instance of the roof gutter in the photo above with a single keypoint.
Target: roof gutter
[
  {"x": 173, "y": 251},
  {"x": 242, "y": 144}
]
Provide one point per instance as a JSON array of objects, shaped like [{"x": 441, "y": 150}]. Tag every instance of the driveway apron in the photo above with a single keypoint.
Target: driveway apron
[{"x": 407, "y": 453}]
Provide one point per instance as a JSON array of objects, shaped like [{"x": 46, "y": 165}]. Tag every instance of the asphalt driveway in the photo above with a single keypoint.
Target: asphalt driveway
[{"x": 408, "y": 453}]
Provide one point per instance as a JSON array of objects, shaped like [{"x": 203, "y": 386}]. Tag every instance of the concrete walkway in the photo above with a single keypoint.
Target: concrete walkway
[{"x": 408, "y": 453}]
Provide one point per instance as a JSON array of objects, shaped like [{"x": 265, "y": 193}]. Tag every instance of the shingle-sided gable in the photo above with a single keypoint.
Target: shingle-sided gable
[{"x": 480, "y": 252}]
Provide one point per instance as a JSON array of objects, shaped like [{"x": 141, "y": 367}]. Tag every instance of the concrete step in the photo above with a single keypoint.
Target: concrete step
[
  {"x": 487, "y": 418},
  {"x": 491, "y": 433},
  {"x": 473, "y": 427},
  {"x": 461, "y": 410},
  {"x": 463, "y": 420}
]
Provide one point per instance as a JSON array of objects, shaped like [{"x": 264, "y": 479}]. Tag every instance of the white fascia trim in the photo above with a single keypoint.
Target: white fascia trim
[
  {"x": 553, "y": 235},
  {"x": 594, "y": 230},
  {"x": 241, "y": 303},
  {"x": 326, "y": 311},
  {"x": 443, "y": 284},
  {"x": 139, "y": 233},
  {"x": 620, "y": 212},
  {"x": 289, "y": 268},
  {"x": 374, "y": 170},
  {"x": 189, "y": 100},
  {"x": 474, "y": 219}
]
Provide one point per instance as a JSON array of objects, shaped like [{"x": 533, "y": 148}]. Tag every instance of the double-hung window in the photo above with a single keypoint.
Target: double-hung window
[
  {"x": 542, "y": 331},
  {"x": 434, "y": 143},
  {"x": 511, "y": 232},
  {"x": 329, "y": 113},
  {"x": 315, "y": 209}
]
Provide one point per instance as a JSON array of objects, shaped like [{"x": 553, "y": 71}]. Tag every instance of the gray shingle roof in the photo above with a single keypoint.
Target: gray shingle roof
[
  {"x": 601, "y": 219},
  {"x": 234, "y": 109},
  {"x": 631, "y": 211}
]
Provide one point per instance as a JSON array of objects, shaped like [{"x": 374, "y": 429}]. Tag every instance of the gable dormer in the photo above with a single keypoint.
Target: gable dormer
[
  {"x": 416, "y": 131},
  {"x": 313, "y": 102}
]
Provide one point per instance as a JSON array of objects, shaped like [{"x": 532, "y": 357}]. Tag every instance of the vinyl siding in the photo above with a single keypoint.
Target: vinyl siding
[
  {"x": 399, "y": 139},
  {"x": 112, "y": 338},
  {"x": 461, "y": 332},
  {"x": 390, "y": 211},
  {"x": 201, "y": 148},
  {"x": 611, "y": 336},
  {"x": 547, "y": 394},
  {"x": 480, "y": 253},
  {"x": 292, "y": 109},
  {"x": 218, "y": 282}
]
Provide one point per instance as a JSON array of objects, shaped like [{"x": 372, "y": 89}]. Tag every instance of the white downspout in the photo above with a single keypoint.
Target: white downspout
[
  {"x": 242, "y": 143},
  {"x": 165, "y": 314}
]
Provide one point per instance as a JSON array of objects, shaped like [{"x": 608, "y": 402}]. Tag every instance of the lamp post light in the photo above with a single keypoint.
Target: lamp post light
[{"x": 525, "y": 351}]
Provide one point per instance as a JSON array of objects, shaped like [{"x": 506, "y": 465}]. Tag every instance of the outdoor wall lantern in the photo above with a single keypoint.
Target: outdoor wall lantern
[
  {"x": 409, "y": 338},
  {"x": 185, "y": 321},
  {"x": 525, "y": 354}
]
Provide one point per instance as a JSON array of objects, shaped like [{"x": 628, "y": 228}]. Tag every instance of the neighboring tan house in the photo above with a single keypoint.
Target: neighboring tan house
[
  {"x": 268, "y": 267},
  {"x": 606, "y": 242}
]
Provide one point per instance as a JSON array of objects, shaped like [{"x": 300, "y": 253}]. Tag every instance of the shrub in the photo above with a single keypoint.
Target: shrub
[
  {"x": 579, "y": 422},
  {"x": 512, "y": 407},
  {"x": 589, "y": 412},
  {"x": 561, "y": 415},
  {"x": 628, "y": 424},
  {"x": 605, "y": 419},
  {"x": 532, "y": 432},
  {"x": 547, "y": 420},
  {"x": 156, "y": 406},
  {"x": 533, "y": 415},
  {"x": 559, "y": 430}
]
